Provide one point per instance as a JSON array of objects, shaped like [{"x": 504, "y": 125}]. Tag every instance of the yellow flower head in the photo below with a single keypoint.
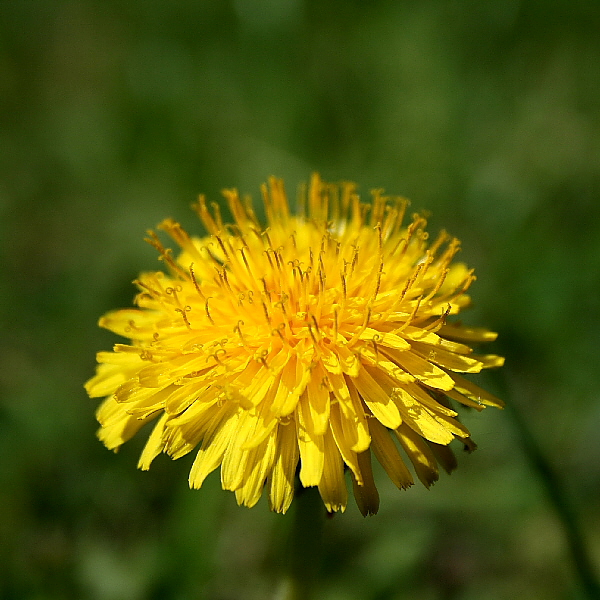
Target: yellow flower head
[{"x": 299, "y": 346}]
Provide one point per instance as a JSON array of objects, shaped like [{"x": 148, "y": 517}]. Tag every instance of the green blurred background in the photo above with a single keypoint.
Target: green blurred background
[{"x": 116, "y": 114}]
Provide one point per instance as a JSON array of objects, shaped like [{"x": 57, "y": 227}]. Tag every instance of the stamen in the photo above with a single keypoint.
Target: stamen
[
  {"x": 245, "y": 261},
  {"x": 354, "y": 259},
  {"x": 401, "y": 204},
  {"x": 265, "y": 233},
  {"x": 438, "y": 285},
  {"x": 238, "y": 329},
  {"x": 165, "y": 254},
  {"x": 223, "y": 248},
  {"x": 374, "y": 341},
  {"x": 183, "y": 312},
  {"x": 216, "y": 353},
  {"x": 204, "y": 214},
  {"x": 316, "y": 324},
  {"x": 217, "y": 212},
  {"x": 195, "y": 282},
  {"x": 441, "y": 320},
  {"x": 266, "y": 311},
  {"x": 411, "y": 317},
  {"x": 262, "y": 358},
  {"x": 335, "y": 325},
  {"x": 360, "y": 330},
  {"x": 268, "y": 253},
  {"x": 207, "y": 311}
]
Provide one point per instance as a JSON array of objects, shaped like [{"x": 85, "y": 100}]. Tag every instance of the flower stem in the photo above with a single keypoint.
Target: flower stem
[
  {"x": 305, "y": 546},
  {"x": 555, "y": 491}
]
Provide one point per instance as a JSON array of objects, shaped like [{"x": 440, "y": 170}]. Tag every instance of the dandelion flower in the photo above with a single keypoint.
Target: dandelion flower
[{"x": 302, "y": 347}]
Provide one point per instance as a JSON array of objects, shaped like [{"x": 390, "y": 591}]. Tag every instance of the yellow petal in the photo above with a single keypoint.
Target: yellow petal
[
  {"x": 155, "y": 444},
  {"x": 423, "y": 396},
  {"x": 263, "y": 423},
  {"x": 365, "y": 492},
  {"x": 330, "y": 360},
  {"x": 142, "y": 402},
  {"x": 464, "y": 400},
  {"x": 257, "y": 389},
  {"x": 107, "y": 379},
  {"x": 182, "y": 436},
  {"x": 418, "y": 334},
  {"x": 155, "y": 375},
  {"x": 378, "y": 401},
  {"x": 420, "y": 455},
  {"x": 236, "y": 456},
  {"x": 310, "y": 445},
  {"x": 220, "y": 430},
  {"x": 448, "y": 360},
  {"x": 490, "y": 361},
  {"x": 445, "y": 457},
  {"x": 475, "y": 393},
  {"x": 317, "y": 395},
  {"x": 452, "y": 425},
  {"x": 417, "y": 417},
  {"x": 349, "y": 360},
  {"x": 381, "y": 361},
  {"x": 332, "y": 485},
  {"x": 292, "y": 383},
  {"x": 387, "y": 454},
  {"x": 344, "y": 442},
  {"x": 183, "y": 396},
  {"x": 389, "y": 340},
  {"x": 123, "y": 359},
  {"x": 281, "y": 482},
  {"x": 467, "y": 334},
  {"x": 131, "y": 323},
  {"x": 258, "y": 467},
  {"x": 117, "y": 426},
  {"x": 422, "y": 369},
  {"x": 354, "y": 422}
]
